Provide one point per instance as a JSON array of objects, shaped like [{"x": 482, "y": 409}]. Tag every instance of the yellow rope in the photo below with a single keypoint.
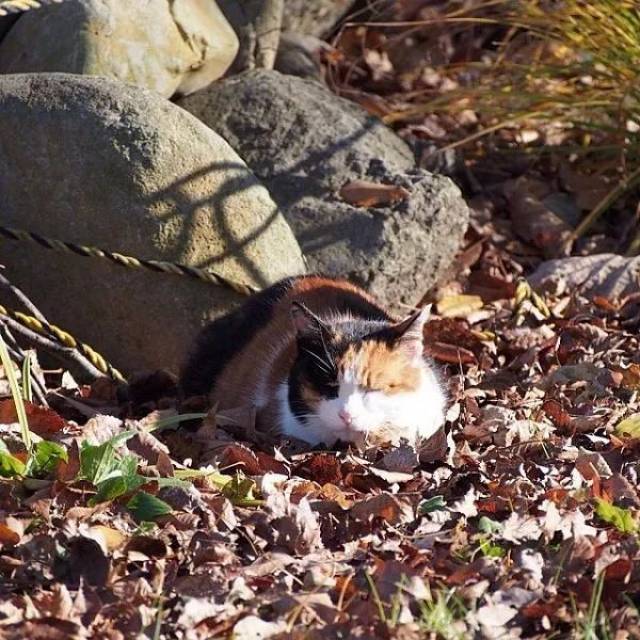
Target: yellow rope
[
  {"x": 65, "y": 338},
  {"x": 18, "y": 6},
  {"x": 158, "y": 266}
]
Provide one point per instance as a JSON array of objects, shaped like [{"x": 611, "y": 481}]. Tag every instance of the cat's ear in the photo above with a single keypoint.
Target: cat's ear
[
  {"x": 306, "y": 322},
  {"x": 409, "y": 333}
]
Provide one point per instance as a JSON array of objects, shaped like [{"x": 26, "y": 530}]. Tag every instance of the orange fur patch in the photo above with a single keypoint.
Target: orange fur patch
[{"x": 379, "y": 367}]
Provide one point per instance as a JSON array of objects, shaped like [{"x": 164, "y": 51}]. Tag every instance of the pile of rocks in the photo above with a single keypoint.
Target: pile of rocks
[{"x": 120, "y": 128}]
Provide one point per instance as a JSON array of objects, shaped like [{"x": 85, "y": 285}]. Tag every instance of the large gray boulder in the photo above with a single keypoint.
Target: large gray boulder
[
  {"x": 305, "y": 143},
  {"x": 96, "y": 162},
  {"x": 178, "y": 46}
]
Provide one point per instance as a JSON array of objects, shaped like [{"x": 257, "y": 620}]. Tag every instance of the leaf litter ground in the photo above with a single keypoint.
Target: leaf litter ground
[{"x": 521, "y": 522}]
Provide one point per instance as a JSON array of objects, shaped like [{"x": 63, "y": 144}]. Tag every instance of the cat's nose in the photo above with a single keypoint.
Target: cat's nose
[{"x": 346, "y": 417}]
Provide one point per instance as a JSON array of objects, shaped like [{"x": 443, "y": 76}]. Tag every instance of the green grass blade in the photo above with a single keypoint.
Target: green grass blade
[
  {"x": 172, "y": 421},
  {"x": 27, "y": 390},
  {"x": 7, "y": 363}
]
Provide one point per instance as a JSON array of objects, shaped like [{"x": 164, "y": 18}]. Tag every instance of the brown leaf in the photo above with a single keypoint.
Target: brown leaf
[
  {"x": 554, "y": 411},
  {"x": 464, "y": 573},
  {"x": 41, "y": 420},
  {"x": 391, "y": 577},
  {"x": 403, "y": 459},
  {"x": 362, "y": 193},
  {"x": 631, "y": 377},
  {"x": 435, "y": 448},
  {"x": 237, "y": 456},
  {"x": 534, "y": 222},
  {"x": 490, "y": 288},
  {"x": 384, "y": 506},
  {"x": 44, "y": 629},
  {"x": 449, "y": 353},
  {"x": 8, "y": 537},
  {"x": 618, "y": 570},
  {"x": 323, "y": 468},
  {"x": 269, "y": 464},
  {"x": 331, "y": 492},
  {"x": 146, "y": 445},
  {"x": 67, "y": 471},
  {"x": 101, "y": 428}
]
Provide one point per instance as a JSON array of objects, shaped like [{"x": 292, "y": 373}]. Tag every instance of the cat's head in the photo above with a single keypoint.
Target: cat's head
[{"x": 355, "y": 379}]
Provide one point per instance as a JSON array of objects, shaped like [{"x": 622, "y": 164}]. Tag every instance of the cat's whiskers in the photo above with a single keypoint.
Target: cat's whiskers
[
  {"x": 326, "y": 366},
  {"x": 307, "y": 416}
]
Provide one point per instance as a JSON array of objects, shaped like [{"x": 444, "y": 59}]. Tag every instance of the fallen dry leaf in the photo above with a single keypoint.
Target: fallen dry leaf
[
  {"x": 41, "y": 420},
  {"x": 384, "y": 506},
  {"x": 361, "y": 193},
  {"x": 534, "y": 221},
  {"x": 459, "y": 306}
]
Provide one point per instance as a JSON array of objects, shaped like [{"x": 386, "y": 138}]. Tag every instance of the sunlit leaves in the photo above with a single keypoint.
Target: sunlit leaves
[{"x": 621, "y": 519}]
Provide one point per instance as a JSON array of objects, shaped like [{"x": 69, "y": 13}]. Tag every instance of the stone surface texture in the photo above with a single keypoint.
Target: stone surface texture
[
  {"x": 305, "y": 144},
  {"x": 176, "y": 46},
  {"x": 96, "y": 162}
]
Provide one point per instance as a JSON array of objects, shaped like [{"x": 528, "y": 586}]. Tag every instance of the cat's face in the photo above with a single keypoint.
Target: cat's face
[{"x": 356, "y": 380}]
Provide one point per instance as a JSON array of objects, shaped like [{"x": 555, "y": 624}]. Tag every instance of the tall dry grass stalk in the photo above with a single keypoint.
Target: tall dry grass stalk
[{"x": 571, "y": 65}]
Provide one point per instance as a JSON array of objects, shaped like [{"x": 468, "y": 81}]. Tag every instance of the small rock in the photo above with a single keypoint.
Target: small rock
[
  {"x": 606, "y": 275},
  {"x": 115, "y": 166},
  {"x": 306, "y": 144},
  {"x": 179, "y": 46},
  {"x": 315, "y": 18},
  {"x": 299, "y": 55}
]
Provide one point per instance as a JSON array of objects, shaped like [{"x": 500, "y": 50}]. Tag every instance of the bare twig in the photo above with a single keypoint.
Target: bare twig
[
  {"x": 55, "y": 348},
  {"x": 22, "y": 297},
  {"x": 258, "y": 24},
  {"x": 268, "y": 25}
]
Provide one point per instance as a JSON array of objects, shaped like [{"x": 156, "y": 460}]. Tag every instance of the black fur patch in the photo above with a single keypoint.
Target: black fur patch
[
  {"x": 221, "y": 339},
  {"x": 313, "y": 368}
]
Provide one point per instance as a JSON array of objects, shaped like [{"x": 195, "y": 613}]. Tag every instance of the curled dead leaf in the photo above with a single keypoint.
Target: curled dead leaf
[
  {"x": 8, "y": 537},
  {"x": 362, "y": 193},
  {"x": 459, "y": 306},
  {"x": 534, "y": 221},
  {"x": 450, "y": 354}
]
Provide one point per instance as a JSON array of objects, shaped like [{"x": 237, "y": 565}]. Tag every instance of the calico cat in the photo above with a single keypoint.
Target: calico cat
[{"x": 321, "y": 361}]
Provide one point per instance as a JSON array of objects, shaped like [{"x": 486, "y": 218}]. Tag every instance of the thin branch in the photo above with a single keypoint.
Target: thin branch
[
  {"x": 22, "y": 297},
  {"x": 57, "y": 349}
]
